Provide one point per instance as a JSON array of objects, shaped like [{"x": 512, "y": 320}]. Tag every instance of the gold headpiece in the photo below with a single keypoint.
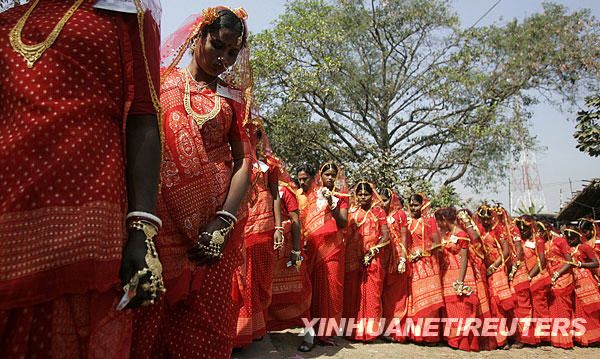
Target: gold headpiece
[
  {"x": 541, "y": 225},
  {"x": 209, "y": 15},
  {"x": 325, "y": 164},
  {"x": 241, "y": 13},
  {"x": 484, "y": 212},
  {"x": 570, "y": 230},
  {"x": 363, "y": 182}
]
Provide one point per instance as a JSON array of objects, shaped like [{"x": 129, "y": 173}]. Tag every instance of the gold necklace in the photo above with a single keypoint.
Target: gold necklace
[
  {"x": 33, "y": 52},
  {"x": 359, "y": 224},
  {"x": 200, "y": 119}
]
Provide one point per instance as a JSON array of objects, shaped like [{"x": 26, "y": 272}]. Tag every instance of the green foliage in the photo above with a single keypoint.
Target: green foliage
[
  {"x": 588, "y": 127},
  {"x": 531, "y": 210},
  {"x": 7, "y": 4},
  {"x": 396, "y": 87}
]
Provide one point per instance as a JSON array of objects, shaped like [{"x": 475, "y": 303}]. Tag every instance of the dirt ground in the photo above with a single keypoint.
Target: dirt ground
[{"x": 284, "y": 345}]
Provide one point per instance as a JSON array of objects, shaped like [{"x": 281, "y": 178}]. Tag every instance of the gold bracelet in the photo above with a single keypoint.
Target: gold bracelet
[
  {"x": 156, "y": 285},
  {"x": 214, "y": 248}
]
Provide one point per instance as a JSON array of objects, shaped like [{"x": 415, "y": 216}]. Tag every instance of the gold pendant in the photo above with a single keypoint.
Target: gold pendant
[{"x": 32, "y": 53}]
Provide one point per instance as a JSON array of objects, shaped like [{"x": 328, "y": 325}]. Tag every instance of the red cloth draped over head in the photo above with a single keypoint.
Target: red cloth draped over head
[
  {"x": 395, "y": 203},
  {"x": 396, "y": 220},
  {"x": 375, "y": 197},
  {"x": 317, "y": 219}
]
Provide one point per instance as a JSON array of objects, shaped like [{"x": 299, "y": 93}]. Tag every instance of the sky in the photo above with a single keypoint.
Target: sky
[{"x": 561, "y": 166}]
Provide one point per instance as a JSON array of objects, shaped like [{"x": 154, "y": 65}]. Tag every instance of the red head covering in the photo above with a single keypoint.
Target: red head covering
[
  {"x": 425, "y": 206},
  {"x": 175, "y": 47},
  {"x": 375, "y": 197},
  {"x": 485, "y": 211},
  {"x": 340, "y": 188},
  {"x": 395, "y": 203}
]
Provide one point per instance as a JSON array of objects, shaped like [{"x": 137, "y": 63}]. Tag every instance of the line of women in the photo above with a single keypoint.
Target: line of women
[
  {"x": 402, "y": 267},
  {"x": 222, "y": 246}
]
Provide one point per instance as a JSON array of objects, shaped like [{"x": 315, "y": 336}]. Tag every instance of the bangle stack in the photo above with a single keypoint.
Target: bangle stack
[
  {"x": 145, "y": 217},
  {"x": 226, "y": 214}
]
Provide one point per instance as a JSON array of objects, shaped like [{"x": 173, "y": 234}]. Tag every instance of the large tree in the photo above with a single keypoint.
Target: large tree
[
  {"x": 588, "y": 127},
  {"x": 398, "y": 87},
  {"x": 7, "y": 4}
]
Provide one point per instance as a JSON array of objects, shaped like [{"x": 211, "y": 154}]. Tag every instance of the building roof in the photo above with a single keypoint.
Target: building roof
[{"x": 585, "y": 203}]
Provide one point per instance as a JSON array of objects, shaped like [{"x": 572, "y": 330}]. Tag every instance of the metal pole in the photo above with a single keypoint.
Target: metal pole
[
  {"x": 571, "y": 185},
  {"x": 509, "y": 198}
]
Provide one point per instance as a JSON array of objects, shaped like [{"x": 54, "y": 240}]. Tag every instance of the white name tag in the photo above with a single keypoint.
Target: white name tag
[
  {"x": 235, "y": 95},
  {"x": 263, "y": 167},
  {"x": 530, "y": 244},
  {"x": 126, "y": 6}
]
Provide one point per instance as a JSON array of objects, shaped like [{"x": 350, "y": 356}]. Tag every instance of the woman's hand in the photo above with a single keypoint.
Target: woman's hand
[
  {"x": 211, "y": 240},
  {"x": 296, "y": 258},
  {"x": 402, "y": 265},
  {"x": 133, "y": 261},
  {"x": 278, "y": 239}
]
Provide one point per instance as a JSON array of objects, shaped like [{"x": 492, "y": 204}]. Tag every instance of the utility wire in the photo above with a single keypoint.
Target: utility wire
[{"x": 485, "y": 14}]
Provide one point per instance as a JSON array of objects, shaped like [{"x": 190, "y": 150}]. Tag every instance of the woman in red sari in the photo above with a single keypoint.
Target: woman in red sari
[
  {"x": 262, "y": 236},
  {"x": 323, "y": 219},
  {"x": 458, "y": 281},
  {"x": 589, "y": 230},
  {"x": 517, "y": 279},
  {"x": 426, "y": 296},
  {"x": 80, "y": 149},
  {"x": 533, "y": 235},
  {"x": 497, "y": 251},
  {"x": 291, "y": 280},
  {"x": 587, "y": 291},
  {"x": 367, "y": 237},
  {"x": 560, "y": 300},
  {"x": 205, "y": 176},
  {"x": 395, "y": 294},
  {"x": 477, "y": 258}
]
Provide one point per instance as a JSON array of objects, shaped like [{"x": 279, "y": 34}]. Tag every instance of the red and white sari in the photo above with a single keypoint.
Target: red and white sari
[
  {"x": 363, "y": 285},
  {"x": 197, "y": 314},
  {"x": 325, "y": 252},
  {"x": 63, "y": 197}
]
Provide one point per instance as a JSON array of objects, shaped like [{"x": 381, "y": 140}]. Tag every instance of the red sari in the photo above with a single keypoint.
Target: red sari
[
  {"x": 501, "y": 300},
  {"x": 540, "y": 284},
  {"x": 291, "y": 287},
  {"x": 460, "y": 307},
  {"x": 587, "y": 296},
  {"x": 426, "y": 296},
  {"x": 325, "y": 251},
  {"x": 363, "y": 286},
  {"x": 594, "y": 242},
  {"x": 63, "y": 197},
  {"x": 260, "y": 256},
  {"x": 197, "y": 314},
  {"x": 519, "y": 287},
  {"x": 560, "y": 301},
  {"x": 395, "y": 294}
]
